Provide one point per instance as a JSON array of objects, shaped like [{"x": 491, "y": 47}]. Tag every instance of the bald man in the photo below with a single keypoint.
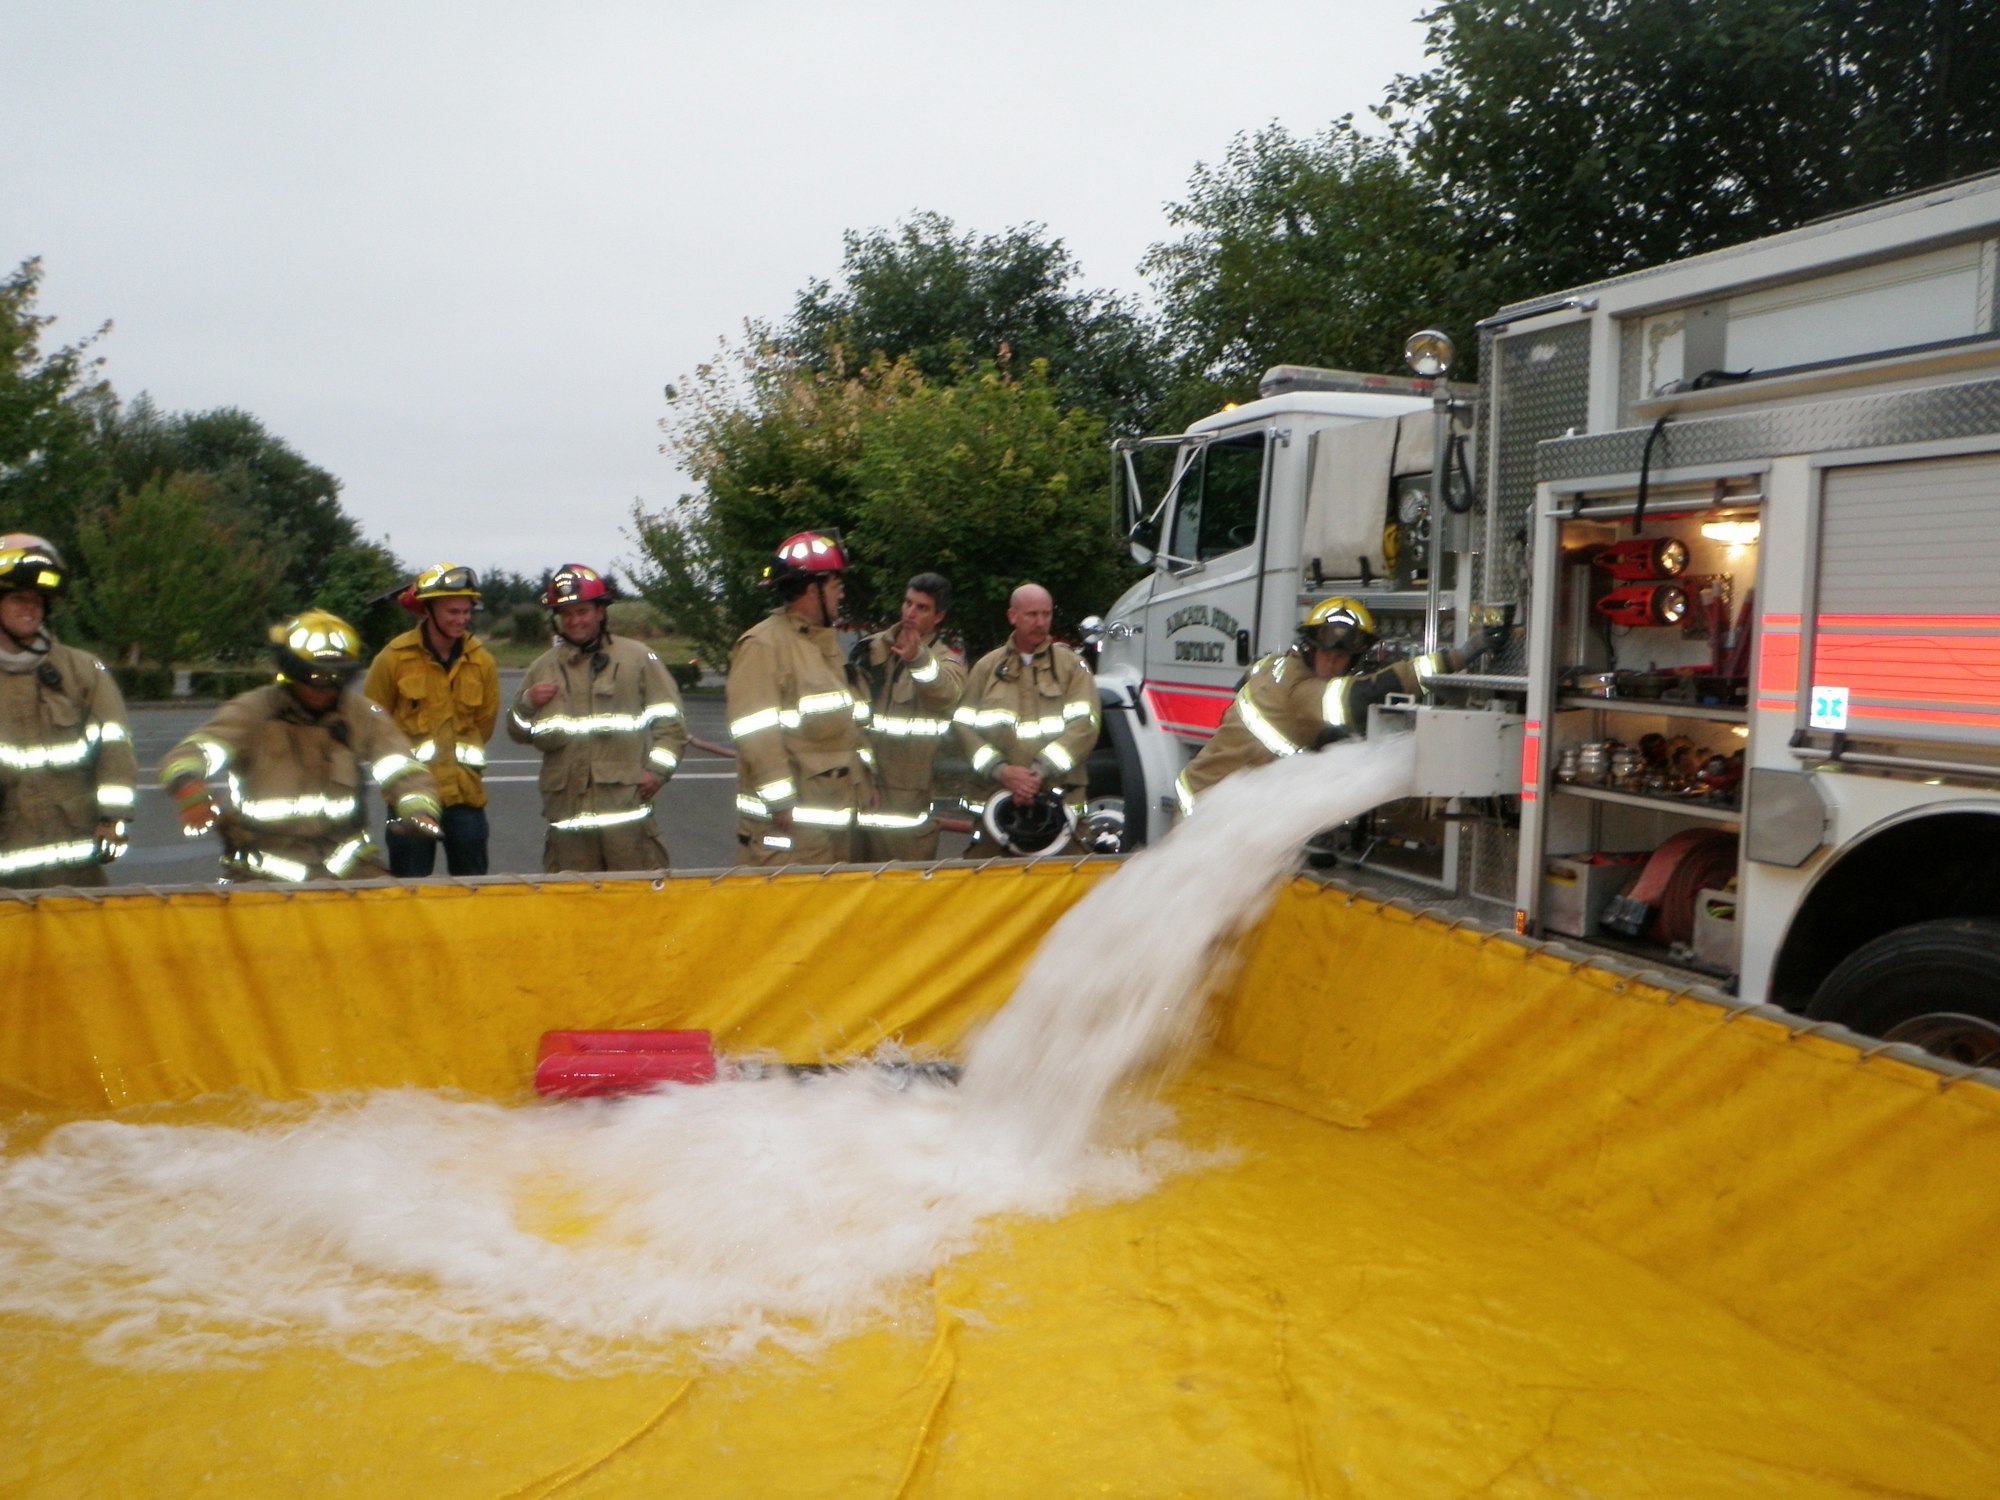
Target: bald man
[{"x": 1028, "y": 719}]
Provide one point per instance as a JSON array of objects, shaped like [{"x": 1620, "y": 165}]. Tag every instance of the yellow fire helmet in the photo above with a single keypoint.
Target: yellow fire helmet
[
  {"x": 317, "y": 649},
  {"x": 31, "y": 562},
  {"x": 1338, "y": 624},
  {"x": 445, "y": 581}
]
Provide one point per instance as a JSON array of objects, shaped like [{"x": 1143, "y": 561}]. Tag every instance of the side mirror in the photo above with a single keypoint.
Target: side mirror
[{"x": 1142, "y": 541}]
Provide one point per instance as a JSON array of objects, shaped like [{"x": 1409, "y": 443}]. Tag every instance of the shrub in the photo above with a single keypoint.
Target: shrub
[
  {"x": 227, "y": 682},
  {"x": 144, "y": 684}
]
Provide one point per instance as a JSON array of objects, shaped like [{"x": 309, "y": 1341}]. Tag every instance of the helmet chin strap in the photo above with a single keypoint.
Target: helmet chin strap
[{"x": 36, "y": 644}]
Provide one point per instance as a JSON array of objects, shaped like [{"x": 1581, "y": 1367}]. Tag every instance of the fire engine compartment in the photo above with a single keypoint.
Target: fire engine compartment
[
  {"x": 1650, "y": 644},
  {"x": 1494, "y": 1217}
]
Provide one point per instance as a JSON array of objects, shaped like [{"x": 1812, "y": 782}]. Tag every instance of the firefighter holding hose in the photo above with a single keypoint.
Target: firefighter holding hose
[
  {"x": 1310, "y": 695},
  {"x": 296, "y": 755},
  {"x": 1027, "y": 722}
]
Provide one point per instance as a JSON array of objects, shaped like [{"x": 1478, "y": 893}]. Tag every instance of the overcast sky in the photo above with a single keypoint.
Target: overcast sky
[{"x": 452, "y": 252}]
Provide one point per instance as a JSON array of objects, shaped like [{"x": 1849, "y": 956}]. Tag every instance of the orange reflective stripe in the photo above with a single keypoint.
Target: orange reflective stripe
[
  {"x": 1531, "y": 760},
  {"x": 1777, "y": 661}
]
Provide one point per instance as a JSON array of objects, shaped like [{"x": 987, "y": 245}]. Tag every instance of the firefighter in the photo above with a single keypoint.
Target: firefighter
[
  {"x": 442, "y": 688},
  {"x": 912, "y": 681},
  {"x": 1309, "y": 696},
  {"x": 1028, "y": 718},
  {"x": 607, "y": 718},
  {"x": 66, "y": 767},
  {"x": 295, "y": 755},
  {"x": 803, "y": 766}
]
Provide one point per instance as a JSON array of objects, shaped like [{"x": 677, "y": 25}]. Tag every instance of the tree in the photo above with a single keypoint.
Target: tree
[
  {"x": 163, "y": 581},
  {"x": 360, "y": 583},
  {"x": 53, "y": 408},
  {"x": 991, "y": 480},
  {"x": 991, "y": 483},
  {"x": 1326, "y": 250},
  {"x": 257, "y": 479},
  {"x": 1576, "y": 139},
  {"x": 946, "y": 301}
]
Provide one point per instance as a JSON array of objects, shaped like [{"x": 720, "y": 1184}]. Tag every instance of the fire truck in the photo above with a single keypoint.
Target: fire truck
[{"x": 1744, "y": 512}]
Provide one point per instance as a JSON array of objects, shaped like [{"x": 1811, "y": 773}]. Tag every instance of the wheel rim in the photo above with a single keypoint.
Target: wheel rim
[{"x": 1952, "y": 1035}]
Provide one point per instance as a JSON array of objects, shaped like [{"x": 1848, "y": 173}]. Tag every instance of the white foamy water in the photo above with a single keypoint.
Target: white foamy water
[
  {"x": 1117, "y": 985},
  {"x": 593, "y": 1235}
]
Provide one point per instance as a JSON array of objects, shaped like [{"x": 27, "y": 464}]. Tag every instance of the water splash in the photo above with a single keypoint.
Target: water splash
[{"x": 1116, "y": 987}]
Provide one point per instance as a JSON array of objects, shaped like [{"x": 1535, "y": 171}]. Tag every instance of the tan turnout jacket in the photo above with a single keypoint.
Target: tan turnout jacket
[
  {"x": 1041, "y": 713},
  {"x": 295, "y": 807},
  {"x": 800, "y": 741},
  {"x": 448, "y": 713},
  {"x": 1282, "y": 708},
  {"x": 910, "y": 705},
  {"x": 616, "y": 716},
  {"x": 65, "y": 766}
]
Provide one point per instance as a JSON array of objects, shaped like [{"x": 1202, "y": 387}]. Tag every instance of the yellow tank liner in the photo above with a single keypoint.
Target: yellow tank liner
[{"x": 1504, "y": 1224}]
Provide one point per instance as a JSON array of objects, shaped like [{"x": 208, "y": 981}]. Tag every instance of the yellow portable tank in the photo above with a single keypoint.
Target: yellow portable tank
[{"x": 1463, "y": 1215}]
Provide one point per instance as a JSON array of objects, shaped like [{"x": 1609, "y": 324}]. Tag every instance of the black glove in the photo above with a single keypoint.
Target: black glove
[{"x": 1480, "y": 642}]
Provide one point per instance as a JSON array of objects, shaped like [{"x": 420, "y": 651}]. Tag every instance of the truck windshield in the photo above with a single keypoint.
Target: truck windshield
[{"x": 1218, "y": 498}]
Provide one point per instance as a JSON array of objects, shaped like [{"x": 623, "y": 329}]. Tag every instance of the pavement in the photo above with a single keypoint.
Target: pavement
[{"x": 696, "y": 811}]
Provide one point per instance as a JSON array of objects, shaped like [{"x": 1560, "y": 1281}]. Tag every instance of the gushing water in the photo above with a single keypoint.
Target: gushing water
[{"x": 593, "y": 1235}]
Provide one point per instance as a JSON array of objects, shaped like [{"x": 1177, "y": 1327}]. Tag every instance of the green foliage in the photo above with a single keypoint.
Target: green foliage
[
  {"x": 223, "y": 683},
  {"x": 945, "y": 300},
  {"x": 358, "y": 583},
  {"x": 991, "y": 481},
  {"x": 143, "y": 684},
  {"x": 1329, "y": 250},
  {"x": 1576, "y": 139},
  {"x": 164, "y": 580},
  {"x": 52, "y": 409},
  {"x": 257, "y": 481}
]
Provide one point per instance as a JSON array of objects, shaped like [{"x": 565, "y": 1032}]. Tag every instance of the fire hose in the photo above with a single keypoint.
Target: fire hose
[{"x": 1660, "y": 904}]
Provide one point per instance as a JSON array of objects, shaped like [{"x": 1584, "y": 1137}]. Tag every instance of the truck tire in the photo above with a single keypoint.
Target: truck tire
[{"x": 1935, "y": 984}]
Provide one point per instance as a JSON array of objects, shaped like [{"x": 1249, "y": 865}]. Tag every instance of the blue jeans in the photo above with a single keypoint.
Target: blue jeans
[{"x": 464, "y": 847}]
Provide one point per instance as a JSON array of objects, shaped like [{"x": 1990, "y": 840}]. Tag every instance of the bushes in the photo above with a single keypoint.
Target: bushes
[
  {"x": 144, "y": 684},
  {"x": 227, "y": 682}
]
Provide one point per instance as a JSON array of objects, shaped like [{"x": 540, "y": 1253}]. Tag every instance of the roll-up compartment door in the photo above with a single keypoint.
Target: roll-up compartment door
[{"x": 1906, "y": 642}]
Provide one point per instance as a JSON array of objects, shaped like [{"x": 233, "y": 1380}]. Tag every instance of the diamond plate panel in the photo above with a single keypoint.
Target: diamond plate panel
[
  {"x": 1536, "y": 387},
  {"x": 1882, "y": 420}
]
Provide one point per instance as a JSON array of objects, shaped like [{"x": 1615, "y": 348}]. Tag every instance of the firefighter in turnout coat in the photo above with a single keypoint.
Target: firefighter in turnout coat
[
  {"x": 803, "y": 766},
  {"x": 607, "y": 718},
  {"x": 1028, "y": 718},
  {"x": 442, "y": 687},
  {"x": 296, "y": 755},
  {"x": 66, "y": 767},
  {"x": 1308, "y": 696},
  {"x": 912, "y": 681}
]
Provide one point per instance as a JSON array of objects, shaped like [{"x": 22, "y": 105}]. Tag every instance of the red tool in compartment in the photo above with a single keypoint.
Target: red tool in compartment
[{"x": 579, "y": 1064}]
